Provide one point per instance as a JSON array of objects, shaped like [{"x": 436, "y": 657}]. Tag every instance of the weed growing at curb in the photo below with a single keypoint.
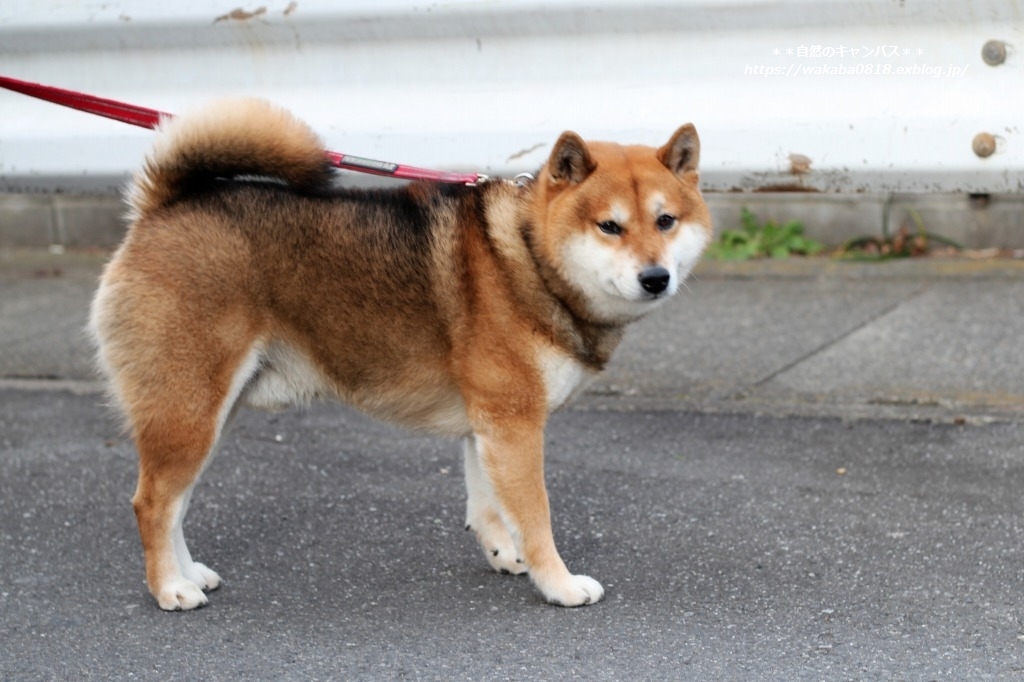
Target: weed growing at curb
[
  {"x": 904, "y": 243},
  {"x": 770, "y": 240}
]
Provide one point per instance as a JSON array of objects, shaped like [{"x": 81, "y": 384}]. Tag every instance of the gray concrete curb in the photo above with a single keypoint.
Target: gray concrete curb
[
  {"x": 930, "y": 338},
  {"x": 42, "y": 220}
]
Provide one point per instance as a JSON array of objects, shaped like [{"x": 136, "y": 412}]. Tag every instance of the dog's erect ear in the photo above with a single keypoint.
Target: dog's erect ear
[
  {"x": 570, "y": 160},
  {"x": 682, "y": 153}
]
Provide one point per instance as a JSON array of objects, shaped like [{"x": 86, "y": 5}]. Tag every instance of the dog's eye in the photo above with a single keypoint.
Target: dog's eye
[
  {"x": 610, "y": 227},
  {"x": 665, "y": 221}
]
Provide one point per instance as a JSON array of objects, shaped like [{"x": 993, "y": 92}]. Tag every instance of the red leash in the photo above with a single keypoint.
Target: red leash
[{"x": 149, "y": 118}]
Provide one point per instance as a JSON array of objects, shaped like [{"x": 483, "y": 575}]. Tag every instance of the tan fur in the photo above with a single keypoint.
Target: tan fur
[
  {"x": 218, "y": 141},
  {"x": 468, "y": 312}
]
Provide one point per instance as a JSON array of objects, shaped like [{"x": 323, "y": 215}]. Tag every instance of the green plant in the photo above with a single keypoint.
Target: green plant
[
  {"x": 904, "y": 243},
  {"x": 770, "y": 240}
]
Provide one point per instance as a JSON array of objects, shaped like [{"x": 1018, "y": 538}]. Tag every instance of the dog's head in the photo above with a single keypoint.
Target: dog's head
[{"x": 621, "y": 225}]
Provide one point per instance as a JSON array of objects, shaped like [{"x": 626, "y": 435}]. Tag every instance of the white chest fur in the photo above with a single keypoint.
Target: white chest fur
[{"x": 563, "y": 376}]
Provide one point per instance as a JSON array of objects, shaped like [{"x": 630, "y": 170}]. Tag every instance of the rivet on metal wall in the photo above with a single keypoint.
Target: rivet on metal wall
[
  {"x": 994, "y": 52},
  {"x": 984, "y": 144}
]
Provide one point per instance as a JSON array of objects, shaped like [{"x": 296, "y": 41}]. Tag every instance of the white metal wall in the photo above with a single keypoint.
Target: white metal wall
[{"x": 833, "y": 95}]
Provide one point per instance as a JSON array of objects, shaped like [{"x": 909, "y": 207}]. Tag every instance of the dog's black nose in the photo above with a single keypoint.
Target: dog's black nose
[{"x": 654, "y": 280}]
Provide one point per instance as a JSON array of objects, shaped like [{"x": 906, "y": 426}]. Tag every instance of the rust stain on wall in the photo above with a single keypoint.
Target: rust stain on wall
[
  {"x": 799, "y": 164},
  {"x": 240, "y": 14}
]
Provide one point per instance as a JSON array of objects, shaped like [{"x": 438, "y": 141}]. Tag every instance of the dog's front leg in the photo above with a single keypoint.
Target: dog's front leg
[
  {"x": 483, "y": 517},
  {"x": 511, "y": 462}
]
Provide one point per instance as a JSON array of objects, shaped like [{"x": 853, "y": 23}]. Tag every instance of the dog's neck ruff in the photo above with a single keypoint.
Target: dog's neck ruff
[{"x": 593, "y": 340}]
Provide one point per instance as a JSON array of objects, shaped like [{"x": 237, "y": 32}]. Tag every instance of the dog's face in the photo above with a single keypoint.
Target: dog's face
[{"x": 622, "y": 225}]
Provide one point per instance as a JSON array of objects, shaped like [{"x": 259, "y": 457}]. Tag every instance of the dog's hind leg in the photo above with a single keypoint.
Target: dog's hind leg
[
  {"x": 178, "y": 341},
  {"x": 192, "y": 570},
  {"x": 177, "y": 419},
  {"x": 172, "y": 452},
  {"x": 175, "y": 443}
]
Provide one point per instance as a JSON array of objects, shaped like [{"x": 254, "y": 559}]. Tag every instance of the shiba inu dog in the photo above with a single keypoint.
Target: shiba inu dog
[{"x": 248, "y": 278}]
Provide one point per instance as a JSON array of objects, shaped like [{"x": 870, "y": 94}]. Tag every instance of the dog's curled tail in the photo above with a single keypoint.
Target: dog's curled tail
[{"x": 229, "y": 137}]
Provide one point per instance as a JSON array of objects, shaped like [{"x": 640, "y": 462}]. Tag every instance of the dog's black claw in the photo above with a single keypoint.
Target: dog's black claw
[
  {"x": 467, "y": 527},
  {"x": 494, "y": 552},
  {"x": 505, "y": 571}
]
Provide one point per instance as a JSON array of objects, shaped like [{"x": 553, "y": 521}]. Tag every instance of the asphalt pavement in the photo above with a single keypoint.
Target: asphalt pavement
[{"x": 800, "y": 470}]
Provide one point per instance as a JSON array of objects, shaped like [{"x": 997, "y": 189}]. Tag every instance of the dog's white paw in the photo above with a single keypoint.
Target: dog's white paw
[
  {"x": 203, "y": 576},
  {"x": 503, "y": 560},
  {"x": 181, "y": 595},
  {"x": 573, "y": 590},
  {"x": 498, "y": 547}
]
